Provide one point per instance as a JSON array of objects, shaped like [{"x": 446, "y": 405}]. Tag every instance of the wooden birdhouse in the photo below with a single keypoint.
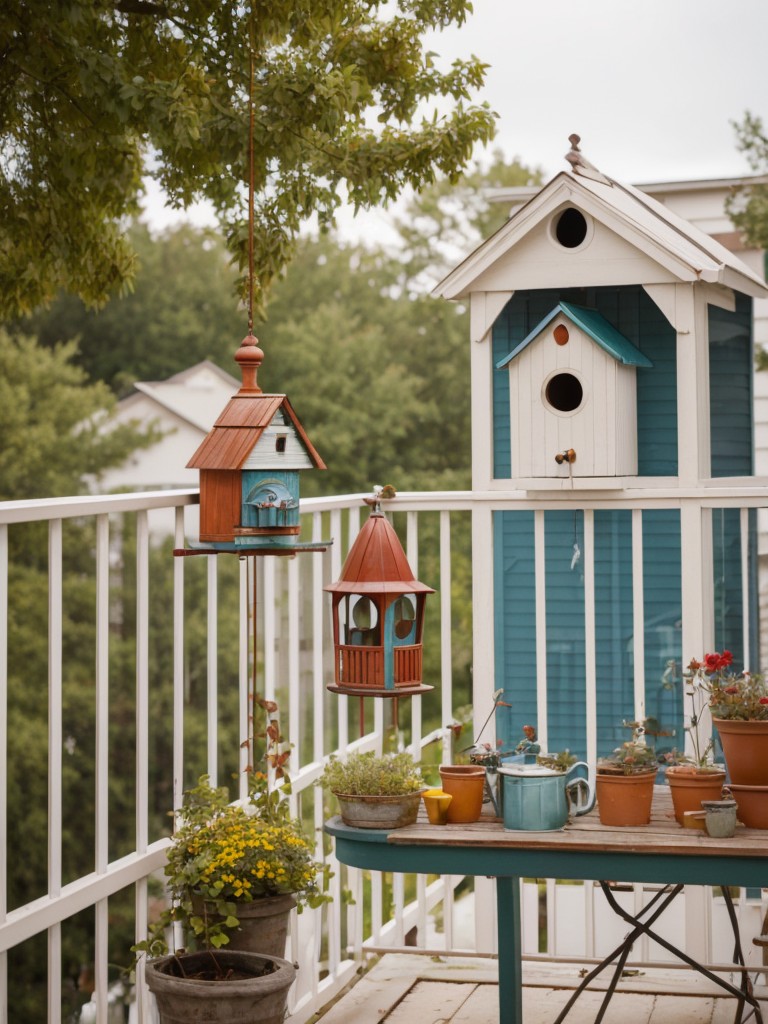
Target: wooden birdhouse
[
  {"x": 597, "y": 318},
  {"x": 573, "y": 378},
  {"x": 378, "y": 617},
  {"x": 611, "y": 362},
  {"x": 249, "y": 467}
]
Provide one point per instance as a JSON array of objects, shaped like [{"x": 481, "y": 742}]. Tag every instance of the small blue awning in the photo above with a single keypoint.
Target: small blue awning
[{"x": 596, "y": 326}]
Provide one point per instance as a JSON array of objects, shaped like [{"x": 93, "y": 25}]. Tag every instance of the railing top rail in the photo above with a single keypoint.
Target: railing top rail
[
  {"x": 37, "y": 509},
  {"x": 743, "y": 492}
]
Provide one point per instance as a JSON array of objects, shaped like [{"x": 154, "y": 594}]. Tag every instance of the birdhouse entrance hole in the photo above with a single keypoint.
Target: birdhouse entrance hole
[
  {"x": 571, "y": 228},
  {"x": 564, "y": 392}
]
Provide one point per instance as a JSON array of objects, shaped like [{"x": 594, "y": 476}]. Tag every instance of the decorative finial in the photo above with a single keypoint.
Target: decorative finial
[
  {"x": 249, "y": 357},
  {"x": 581, "y": 165},
  {"x": 379, "y": 493}
]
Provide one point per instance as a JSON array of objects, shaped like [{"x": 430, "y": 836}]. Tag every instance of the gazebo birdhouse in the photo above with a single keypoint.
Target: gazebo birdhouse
[
  {"x": 378, "y": 617},
  {"x": 573, "y": 377},
  {"x": 249, "y": 467}
]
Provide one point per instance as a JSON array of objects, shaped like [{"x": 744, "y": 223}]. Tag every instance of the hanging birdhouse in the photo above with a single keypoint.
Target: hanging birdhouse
[
  {"x": 249, "y": 467},
  {"x": 378, "y": 617}
]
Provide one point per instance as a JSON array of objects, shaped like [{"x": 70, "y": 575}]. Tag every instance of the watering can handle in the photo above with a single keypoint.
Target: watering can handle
[{"x": 580, "y": 790}]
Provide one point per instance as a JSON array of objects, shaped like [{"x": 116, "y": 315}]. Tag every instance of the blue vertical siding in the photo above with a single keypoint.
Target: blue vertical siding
[
  {"x": 662, "y": 609},
  {"x": 566, "y": 667},
  {"x": 730, "y": 389},
  {"x": 614, "y": 624},
  {"x": 640, "y": 320},
  {"x": 515, "y": 625},
  {"x": 731, "y": 358}
]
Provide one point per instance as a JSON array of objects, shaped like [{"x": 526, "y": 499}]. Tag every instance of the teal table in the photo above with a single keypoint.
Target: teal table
[{"x": 661, "y": 852}]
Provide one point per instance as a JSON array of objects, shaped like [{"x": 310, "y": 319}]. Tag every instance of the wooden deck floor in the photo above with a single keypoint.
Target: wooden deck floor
[{"x": 405, "y": 989}]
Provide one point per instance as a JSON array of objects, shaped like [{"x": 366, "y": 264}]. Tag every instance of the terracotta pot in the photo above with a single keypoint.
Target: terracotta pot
[
  {"x": 379, "y": 810},
  {"x": 745, "y": 746},
  {"x": 263, "y": 927},
  {"x": 690, "y": 785},
  {"x": 466, "y": 784},
  {"x": 625, "y": 799},
  {"x": 186, "y": 988},
  {"x": 752, "y": 804}
]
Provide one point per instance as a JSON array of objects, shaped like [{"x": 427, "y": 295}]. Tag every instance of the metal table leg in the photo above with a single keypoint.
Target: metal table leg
[
  {"x": 744, "y": 994},
  {"x": 510, "y": 950}
]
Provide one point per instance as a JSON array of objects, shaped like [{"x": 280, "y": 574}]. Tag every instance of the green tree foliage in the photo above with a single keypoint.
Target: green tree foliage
[
  {"x": 52, "y": 422},
  {"x": 377, "y": 369},
  {"x": 448, "y": 219},
  {"x": 748, "y": 207},
  {"x": 181, "y": 309},
  {"x": 94, "y": 94},
  {"x": 371, "y": 376}
]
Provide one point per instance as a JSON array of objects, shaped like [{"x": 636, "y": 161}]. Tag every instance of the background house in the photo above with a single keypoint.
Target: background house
[{"x": 184, "y": 408}]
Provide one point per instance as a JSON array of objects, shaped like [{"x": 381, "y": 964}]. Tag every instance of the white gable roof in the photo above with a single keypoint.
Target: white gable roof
[
  {"x": 196, "y": 394},
  {"x": 677, "y": 247}
]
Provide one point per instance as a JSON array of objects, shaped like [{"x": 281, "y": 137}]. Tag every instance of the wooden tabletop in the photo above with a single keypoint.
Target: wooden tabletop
[
  {"x": 662, "y": 851},
  {"x": 587, "y": 834}
]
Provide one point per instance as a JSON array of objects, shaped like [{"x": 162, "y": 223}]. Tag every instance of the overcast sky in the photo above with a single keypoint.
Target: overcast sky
[{"x": 651, "y": 87}]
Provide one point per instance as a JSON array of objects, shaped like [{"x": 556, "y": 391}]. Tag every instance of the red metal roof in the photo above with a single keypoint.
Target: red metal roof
[
  {"x": 239, "y": 428},
  {"x": 376, "y": 563}
]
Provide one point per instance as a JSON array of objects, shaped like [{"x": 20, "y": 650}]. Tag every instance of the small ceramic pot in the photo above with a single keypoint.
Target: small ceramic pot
[
  {"x": 437, "y": 802},
  {"x": 466, "y": 784},
  {"x": 625, "y": 800},
  {"x": 720, "y": 818}
]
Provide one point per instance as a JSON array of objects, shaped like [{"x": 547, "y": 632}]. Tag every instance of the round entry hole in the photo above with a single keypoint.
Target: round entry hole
[
  {"x": 564, "y": 392},
  {"x": 571, "y": 228}
]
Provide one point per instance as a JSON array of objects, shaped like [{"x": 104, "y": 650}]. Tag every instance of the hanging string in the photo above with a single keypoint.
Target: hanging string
[{"x": 251, "y": 120}]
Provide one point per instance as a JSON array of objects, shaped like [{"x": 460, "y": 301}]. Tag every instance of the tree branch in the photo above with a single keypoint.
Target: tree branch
[{"x": 142, "y": 7}]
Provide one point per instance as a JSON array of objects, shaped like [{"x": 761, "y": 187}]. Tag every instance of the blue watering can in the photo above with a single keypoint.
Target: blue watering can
[{"x": 539, "y": 799}]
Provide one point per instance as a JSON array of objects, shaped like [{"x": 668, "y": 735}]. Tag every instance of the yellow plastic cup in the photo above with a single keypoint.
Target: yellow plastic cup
[{"x": 436, "y": 801}]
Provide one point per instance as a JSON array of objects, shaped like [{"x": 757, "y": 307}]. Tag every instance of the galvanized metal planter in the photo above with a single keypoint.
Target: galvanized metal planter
[{"x": 379, "y": 810}]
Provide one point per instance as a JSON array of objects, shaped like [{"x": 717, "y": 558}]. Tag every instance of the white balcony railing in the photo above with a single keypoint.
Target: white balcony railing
[{"x": 147, "y": 667}]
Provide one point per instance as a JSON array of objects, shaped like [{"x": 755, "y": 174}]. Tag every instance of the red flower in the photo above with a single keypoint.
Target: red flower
[
  {"x": 731, "y": 689},
  {"x": 711, "y": 663},
  {"x": 694, "y": 665},
  {"x": 715, "y": 662},
  {"x": 763, "y": 700}
]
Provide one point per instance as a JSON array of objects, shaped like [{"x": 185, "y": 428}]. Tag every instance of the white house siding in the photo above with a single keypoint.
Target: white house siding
[{"x": 161, "y": 465}]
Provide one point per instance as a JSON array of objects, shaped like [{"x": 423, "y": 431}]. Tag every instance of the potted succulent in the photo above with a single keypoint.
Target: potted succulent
[
  {"x": 234, "y": 873},
  {"x": 625, "y": 781},
  {"x": 373, "y": 791},
  {"x": 738, "y": 703}
]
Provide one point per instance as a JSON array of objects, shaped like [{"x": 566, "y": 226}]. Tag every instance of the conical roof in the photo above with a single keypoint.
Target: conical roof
[{"x": 376, "y": 563}]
